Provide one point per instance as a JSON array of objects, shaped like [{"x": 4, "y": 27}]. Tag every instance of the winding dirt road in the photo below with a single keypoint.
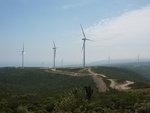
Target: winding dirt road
[
  {"x": 101, "y": 85},
  {"x": 97, "y": 78}
]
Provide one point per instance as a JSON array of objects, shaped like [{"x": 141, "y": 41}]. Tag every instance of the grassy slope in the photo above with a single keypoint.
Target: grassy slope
[
  {"x": 143, "y": 68},
  {"x": 124, "y": 74},
  {"x": 36, "y": 80}
]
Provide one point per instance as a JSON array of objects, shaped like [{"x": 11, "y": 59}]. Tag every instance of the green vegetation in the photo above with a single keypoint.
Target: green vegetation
[
  {"x": 122, "y": 74},
  {"x": 75, "y": 102},
  {"x": 34, "y": 90},
  {"x": 143, "y": 68},
  {"x": 119, "y": 73},
  {"x": 39, "y": 81}
]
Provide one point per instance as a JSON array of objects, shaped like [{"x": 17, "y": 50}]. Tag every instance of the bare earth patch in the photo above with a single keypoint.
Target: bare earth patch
[
  {"x": 101, "y": 85},
  {"x": 120, "y": 86},
  {"x": 97, "y": 78}
]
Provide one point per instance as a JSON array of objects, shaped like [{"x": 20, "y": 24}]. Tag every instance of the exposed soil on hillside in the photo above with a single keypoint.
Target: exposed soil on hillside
[
  {"x": 97, "y": 78},
  {"x": 120, "y": 86},
  {"x": 101, "y": 85}
]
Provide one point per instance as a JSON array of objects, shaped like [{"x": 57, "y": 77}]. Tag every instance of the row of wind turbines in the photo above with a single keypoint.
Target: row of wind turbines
[
  {"x": 84, "y": 39},
  {"x": 55, "y": 50},
  {"x": 83, "y": 49}
]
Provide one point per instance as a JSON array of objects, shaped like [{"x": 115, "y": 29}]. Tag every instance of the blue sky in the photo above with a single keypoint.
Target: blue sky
[{"x": 37, "y": 22}]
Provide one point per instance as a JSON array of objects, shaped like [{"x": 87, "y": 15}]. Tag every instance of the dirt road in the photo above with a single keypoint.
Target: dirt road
[
  {"x": 101, "y": 85},
  {"x": 97, "y": 78}
]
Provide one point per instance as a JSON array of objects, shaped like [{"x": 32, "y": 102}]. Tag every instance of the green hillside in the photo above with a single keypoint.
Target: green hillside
[
  {"x": 143, "y": 68},
  {"x": 122, "y": 74},
  {"x": 33, "y": 90},
  {"x": 36, "y": 80}
]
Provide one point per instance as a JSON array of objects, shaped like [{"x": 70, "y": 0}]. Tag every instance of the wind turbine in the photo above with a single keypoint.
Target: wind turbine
[
  {"x": 54, "y": 50},
  {"x": 83, "y": 47},
  {"x": 22, "y": 53}
]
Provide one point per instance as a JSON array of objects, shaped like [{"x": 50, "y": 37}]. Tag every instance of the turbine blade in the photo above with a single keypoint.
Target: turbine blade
[
  {"x": 83, "y": 46},
  {"x": 88, "y": 39},
  {"x": 82, "y": 31},
  {"x": 54, "y": 44}
]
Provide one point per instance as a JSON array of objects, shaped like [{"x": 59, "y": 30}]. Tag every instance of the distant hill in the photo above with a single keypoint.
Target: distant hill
[
  {"x": 122, "y": 74},
  {"x": 117, "y": 61},
  {"x": 143, "y": 68}
]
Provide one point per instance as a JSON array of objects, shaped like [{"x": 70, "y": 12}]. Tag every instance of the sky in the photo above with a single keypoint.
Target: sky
[{"x": 119, "y": 29}]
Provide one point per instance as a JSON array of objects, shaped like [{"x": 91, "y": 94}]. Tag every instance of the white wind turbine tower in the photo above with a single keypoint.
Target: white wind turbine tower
[
  {"x": 54, "y": 59},
  {"x": 22, "y": 53},
  {"x": 83, "y": 47}
]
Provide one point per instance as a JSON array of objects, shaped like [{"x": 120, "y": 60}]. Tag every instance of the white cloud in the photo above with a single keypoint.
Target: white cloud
[{"x": 126, "y": 35}]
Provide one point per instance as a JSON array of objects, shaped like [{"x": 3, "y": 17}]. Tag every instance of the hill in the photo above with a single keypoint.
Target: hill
[
  {"x": 143, "y": 68},
  {"x": 30, "y": 80},
  {"x": 33, "y": 90},
  {"x": 122, "y": 74}
]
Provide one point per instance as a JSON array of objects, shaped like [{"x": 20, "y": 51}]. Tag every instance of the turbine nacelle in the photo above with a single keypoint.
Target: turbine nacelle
[
  {"x": 84, "y": 39},
  {"x": 54, "y": 48},
  {"x": 23, "y": 52}
]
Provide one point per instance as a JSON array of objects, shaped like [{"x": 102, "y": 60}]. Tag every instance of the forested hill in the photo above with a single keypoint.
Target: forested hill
[
  {"x": 33, "y": 90},
  {"x": 143, "y": 68}
]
